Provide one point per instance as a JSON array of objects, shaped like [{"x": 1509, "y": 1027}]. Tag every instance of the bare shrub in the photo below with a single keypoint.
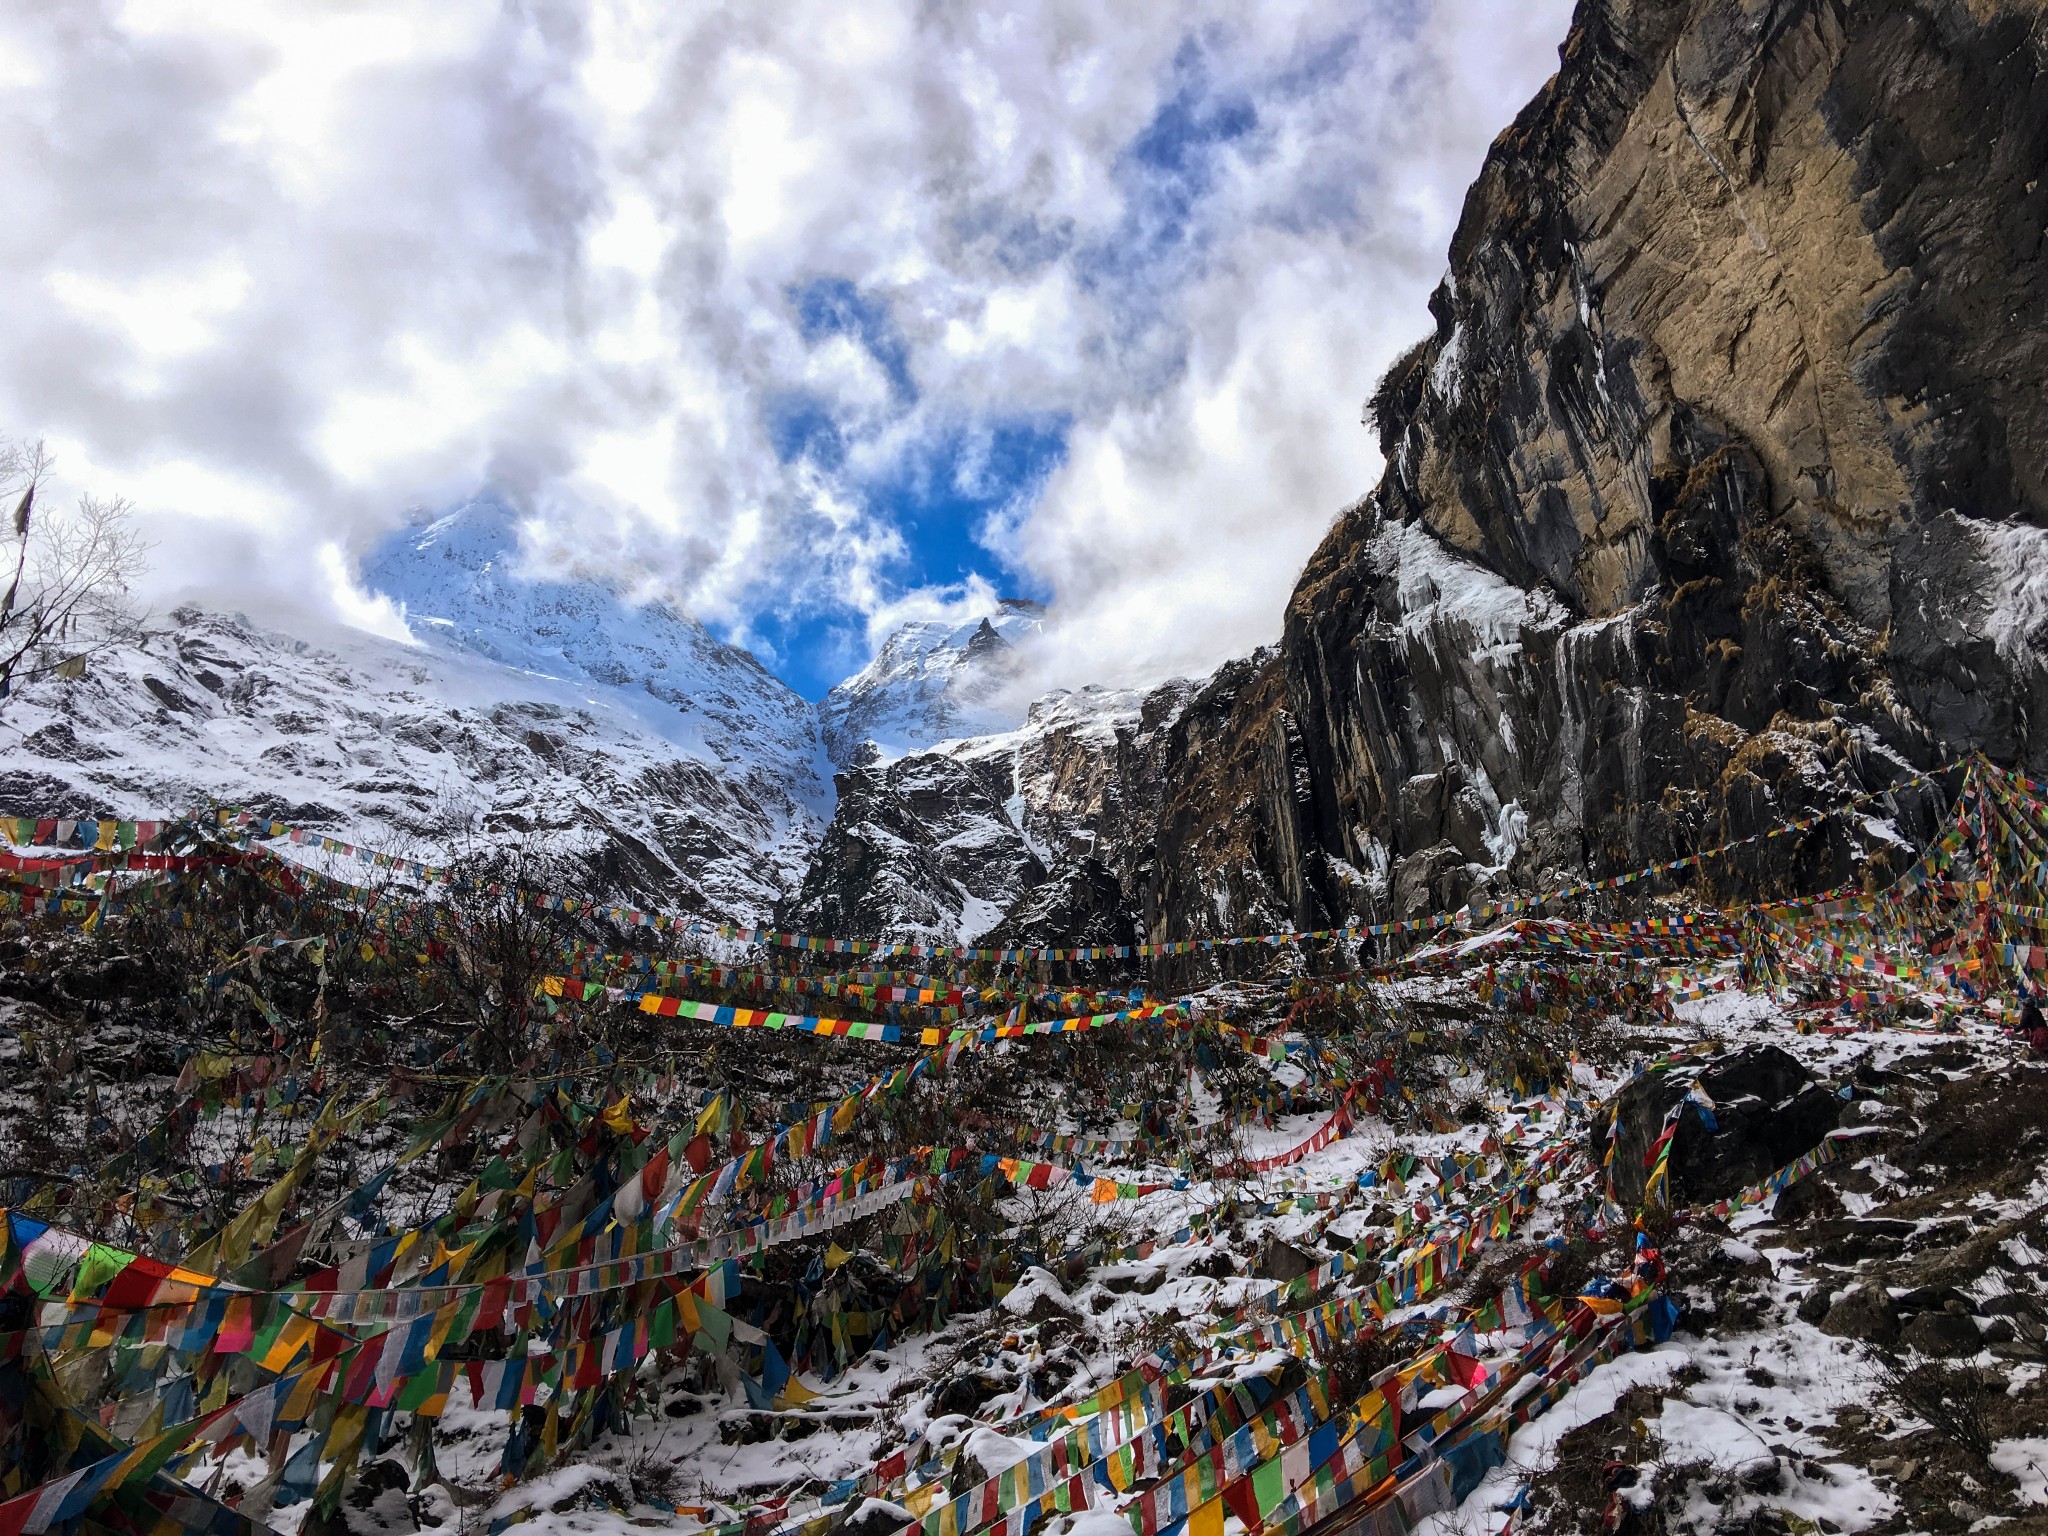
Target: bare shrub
[{"x": 1954, "y": 1400}]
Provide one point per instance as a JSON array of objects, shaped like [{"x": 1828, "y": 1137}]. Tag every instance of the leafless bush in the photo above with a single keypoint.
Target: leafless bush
[
  {"x": 1952, "y": 1399},
  {"x": 650, "y": 1475},
  {"x": 504, "y": 933}
]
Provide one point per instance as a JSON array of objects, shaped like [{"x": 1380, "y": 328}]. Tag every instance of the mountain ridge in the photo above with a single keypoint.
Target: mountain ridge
[{"x": 677, "y": 767}]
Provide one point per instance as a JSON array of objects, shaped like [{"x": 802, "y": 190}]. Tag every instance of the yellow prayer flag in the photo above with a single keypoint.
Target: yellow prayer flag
[
  {"x": 1208, "y": 1519},
  {"x": 712, "y": 1120},
  {"x": 794, "y": 1394}
]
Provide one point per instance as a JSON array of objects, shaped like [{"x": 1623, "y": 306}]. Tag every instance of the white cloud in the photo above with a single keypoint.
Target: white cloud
[
  {"x": 163, "y": 315},
  {"x": 303, "y": 268},
  {"x": 371, "y": 611}
]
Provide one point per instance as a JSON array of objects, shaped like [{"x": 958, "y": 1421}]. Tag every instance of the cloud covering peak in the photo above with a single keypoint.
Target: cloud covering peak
[{"x": 798, "y": 316}]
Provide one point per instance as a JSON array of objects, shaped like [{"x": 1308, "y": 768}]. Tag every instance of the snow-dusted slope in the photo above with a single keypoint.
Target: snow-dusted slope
[
  {"x": 693, "y": 779},
  {"x": 397, "y": 746},
  {"x": 930, "y": 681},
  {"x": 461, "y": 585}
]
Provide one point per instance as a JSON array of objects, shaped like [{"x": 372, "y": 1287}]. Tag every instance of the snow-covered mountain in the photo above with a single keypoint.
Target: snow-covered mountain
[
  {"x": 405, "y": 747},
  {"x": 692, "y": 778},
  {"x": 460, "y": 584},
  {"x": 930, "y": 681}
]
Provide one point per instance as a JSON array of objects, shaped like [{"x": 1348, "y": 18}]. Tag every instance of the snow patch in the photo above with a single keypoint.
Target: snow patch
[
  {"x": 1437, "y": 585},
  {"x": 2016, "y": 555},
  {"x": 2027, "y": 1461}
]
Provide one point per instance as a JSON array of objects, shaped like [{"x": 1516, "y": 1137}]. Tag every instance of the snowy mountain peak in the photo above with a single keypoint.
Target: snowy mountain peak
[
  {"x": 463, "y": 585},
  {"x": 464, "y": 588},
  {"x": 931, "y": 680}
]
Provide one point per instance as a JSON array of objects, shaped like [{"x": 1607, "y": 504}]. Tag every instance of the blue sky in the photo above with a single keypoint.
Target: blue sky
[
  {"x": 809, "y": 319},
  {"x": 937, "y": 492}
]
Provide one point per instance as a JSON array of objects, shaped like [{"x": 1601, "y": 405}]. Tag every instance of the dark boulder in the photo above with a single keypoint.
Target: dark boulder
[
  {"x": 1853, "y": 1239},
  {"x": 1866, "y": 1313},
  {"x": 966, "y": 1392},
  {"x": 1807, "y": 1199},
  {"x": 877, "y": 1517},
  {"x": 1284, "y": 1262},
  {"x": 1941, "y": 1333},
  {"x": 2012, "y": 1304},
  {"x": 1767, "y": 1111},
  {"x": 1936, "y": 1298}
]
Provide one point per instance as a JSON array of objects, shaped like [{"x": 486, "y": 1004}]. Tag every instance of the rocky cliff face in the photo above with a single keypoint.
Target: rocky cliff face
[
  {"x": 941, "y": 844},
  {"x": 1717, "y": 494}
]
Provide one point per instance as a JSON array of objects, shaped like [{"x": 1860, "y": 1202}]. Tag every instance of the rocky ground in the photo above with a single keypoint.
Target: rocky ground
[{"x": 1861, "y": 1352}]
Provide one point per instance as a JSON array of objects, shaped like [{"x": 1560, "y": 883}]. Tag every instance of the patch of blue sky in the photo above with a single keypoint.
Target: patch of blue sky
[
  {"x": 1175, "y": 163},
  {"x": 1166, "y": 171},
  {"x": 834, "y": 306},
  {"x": 942, "y": 493},
  {"x": 938, "y": 495}
]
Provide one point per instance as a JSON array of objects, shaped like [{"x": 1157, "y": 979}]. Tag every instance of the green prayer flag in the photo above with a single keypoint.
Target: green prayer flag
[
  {"x": 418, "y": 1389},
  {"x": 714, "y": 1325},
  {"x": 1269, "y": 1486},
  {"x": 99, "y": 1266}
]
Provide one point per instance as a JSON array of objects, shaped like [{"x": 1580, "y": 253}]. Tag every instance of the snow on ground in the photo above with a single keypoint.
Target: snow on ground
[{"x": 1750, "y": 1409}]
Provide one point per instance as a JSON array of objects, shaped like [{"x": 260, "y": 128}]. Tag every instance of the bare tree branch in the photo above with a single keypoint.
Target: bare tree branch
[{"x": 67, "y": 592}]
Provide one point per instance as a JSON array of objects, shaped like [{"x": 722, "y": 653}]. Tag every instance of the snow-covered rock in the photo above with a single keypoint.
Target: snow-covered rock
[
  {"x": 944, "y": 843},
  {"x": 930, "y": 681}
]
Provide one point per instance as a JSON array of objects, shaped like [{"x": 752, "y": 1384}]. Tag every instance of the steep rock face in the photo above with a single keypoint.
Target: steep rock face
[
  {"x": 1717, "y": 494},
  {"x": 941, "y": 843},
  {"x": 921, "y": 848},
  {"x": 1081, "y": 904}
]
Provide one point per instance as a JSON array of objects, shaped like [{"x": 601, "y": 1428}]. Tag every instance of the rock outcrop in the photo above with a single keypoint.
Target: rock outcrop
[
  {"x": 922, "y": 848},
  {"x": 1739, "y": 1120},
  {"x": 1004, "y": 838},
  {"x": 1717, "y": 495}
]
